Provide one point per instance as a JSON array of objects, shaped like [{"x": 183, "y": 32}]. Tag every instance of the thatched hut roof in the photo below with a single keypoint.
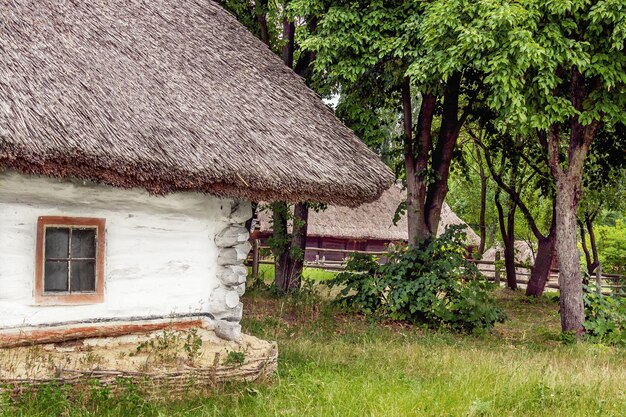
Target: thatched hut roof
[
  {"x": 369, "y": 221},
  {"x": 168, "y": 95},
  {"x": 524, "y": 252}
]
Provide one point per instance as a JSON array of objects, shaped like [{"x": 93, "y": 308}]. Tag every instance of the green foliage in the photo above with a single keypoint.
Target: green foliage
[
  {"x": 247, "y": 13},
  {"x": 606, "y": 318},
  {"x": 364, "y": 284},
  {"x": 612, "y": 247},
  {"x": 192, "y": 345},
  {"x": 527, "y": 51},
  {"x": 432, "y": 284},
  {"x": 362, "y": 54},
  {"x": 163, "y": 346},
  {"x": 235, "y": 358}
]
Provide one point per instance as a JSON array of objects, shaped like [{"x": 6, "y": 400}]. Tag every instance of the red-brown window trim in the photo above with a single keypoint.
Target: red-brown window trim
[{"x": 43, "y": 298}]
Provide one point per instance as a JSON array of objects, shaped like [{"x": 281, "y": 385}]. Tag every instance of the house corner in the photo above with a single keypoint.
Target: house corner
[{"x": 233, "y": 248}]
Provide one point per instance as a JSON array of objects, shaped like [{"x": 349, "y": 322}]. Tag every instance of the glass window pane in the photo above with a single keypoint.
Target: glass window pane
[
  {"x": 57, "y": 241},
  {"x": 55, "y": 276},
  {"x": 83, "y": 243},
  {"x": 83, "y": 276}
]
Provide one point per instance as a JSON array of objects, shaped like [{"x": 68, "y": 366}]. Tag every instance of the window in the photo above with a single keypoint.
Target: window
[{"x": 70, "y": 260}]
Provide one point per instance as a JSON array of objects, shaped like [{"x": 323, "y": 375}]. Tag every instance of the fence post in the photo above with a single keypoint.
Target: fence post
[
  {"x": 599, "y": 278},
  {"x": 255, "y": 259},
  {"x": 496, "y": 265}
]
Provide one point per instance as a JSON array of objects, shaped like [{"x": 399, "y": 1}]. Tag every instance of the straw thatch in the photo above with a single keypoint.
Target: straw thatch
[
  {"x": 524, "y": 252},
  {"x": 168, "y": 95},
  {"x": 369, "y": 221}
]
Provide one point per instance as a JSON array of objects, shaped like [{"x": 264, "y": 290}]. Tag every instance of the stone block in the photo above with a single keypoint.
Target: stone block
[
  {"x": 241, "y": 212},
  {"x": 222, "y": 299},
  {"x": 232, "y": 236},
  {"x": 228, "y": 330},
  {"x": 232, "y": 275},
  {"x": 232, "y": 315}
]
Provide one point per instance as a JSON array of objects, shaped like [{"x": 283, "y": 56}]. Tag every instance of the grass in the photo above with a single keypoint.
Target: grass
[
  {"x": 266, "y": 273},
  {"x": 334, "y": 363}
]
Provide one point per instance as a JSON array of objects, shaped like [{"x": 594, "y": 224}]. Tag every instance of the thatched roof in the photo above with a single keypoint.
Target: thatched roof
[
  {"x": 524, "y": 253},
  {"x": 368, "y": 221},
  {"x": 169, "y": 95}
]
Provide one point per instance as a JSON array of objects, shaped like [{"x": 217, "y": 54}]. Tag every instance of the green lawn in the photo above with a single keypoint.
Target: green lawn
[
  {"x": 337, "y": 364},
  {"x": 266, "y": 272}
]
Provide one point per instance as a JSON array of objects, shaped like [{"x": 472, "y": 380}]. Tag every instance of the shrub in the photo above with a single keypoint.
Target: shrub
[
  {"x": 612, "y": 247},
  {"x": 431, "y": 283},
  {"x": 605, "y": 318}
]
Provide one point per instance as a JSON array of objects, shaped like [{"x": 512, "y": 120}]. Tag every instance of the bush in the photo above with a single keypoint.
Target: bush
[
  {"x": 605, "y": 318},
  {"x": 431, "y": 284},
  {"x": 612, "y": 247}
]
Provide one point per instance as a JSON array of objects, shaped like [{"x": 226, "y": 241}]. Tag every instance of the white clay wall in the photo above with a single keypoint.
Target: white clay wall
[{"x": 161, "y": 255}]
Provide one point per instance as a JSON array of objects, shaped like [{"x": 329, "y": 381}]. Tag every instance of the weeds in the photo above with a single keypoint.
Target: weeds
[
  {"x": 192, "y": 346},
  {"x": 165, "y": 348},
  {"x": 235, "y": 358}
]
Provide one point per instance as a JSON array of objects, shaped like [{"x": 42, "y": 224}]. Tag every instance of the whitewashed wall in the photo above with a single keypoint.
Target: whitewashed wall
[{"x": 161, "y": 255}]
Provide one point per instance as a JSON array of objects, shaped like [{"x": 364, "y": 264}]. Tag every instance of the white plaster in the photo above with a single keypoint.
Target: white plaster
[{"x": 161, "y": 256}]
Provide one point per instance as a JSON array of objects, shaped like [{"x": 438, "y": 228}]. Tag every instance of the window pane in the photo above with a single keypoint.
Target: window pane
[
  {"x": 57, "y": 241},
  {"x": 83, "y": 243},
  {"x": 55, "y": 276},
  {"x": 83, "y": 276}
]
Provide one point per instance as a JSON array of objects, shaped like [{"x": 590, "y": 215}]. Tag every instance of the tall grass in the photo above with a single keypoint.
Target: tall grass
[{"x": 335, "y": 363}]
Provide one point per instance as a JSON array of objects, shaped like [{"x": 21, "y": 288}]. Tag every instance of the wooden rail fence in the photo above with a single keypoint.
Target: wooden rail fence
[{"x": 492, "y": 270}]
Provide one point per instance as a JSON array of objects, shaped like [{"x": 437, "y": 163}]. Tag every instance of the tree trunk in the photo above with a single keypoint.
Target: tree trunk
[
  {"x": 289, "y": 30},
  {"x": 281, "y": 240},
  {"x": 482, "y": 226},
  {"x": 280, "y": 243},
  {"x": 444, "y": 152},
  {"x": 507, "y": 231},
  {"x": 583, "y": 242},
  {"x": 594, "y": 245},
  {"x": 289, "y": 250},
  {"x": 425, "y": 197},
  {"x": 509, "y": 250},
  {"x": 298, "y": 244},
  {"x": 249, "y": 222},
  {"x": 543, "y": 264},
  {"x": 568, "y": 191},
  {"x": 421, "y": 161},
  {"x": 261, "y": 16},
  {"x": 413, "y": 207},
  {"x": 570, "y": 280}
]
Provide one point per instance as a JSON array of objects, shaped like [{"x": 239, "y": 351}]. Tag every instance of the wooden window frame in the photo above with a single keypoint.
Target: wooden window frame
[{"x": 49, "y": 298}]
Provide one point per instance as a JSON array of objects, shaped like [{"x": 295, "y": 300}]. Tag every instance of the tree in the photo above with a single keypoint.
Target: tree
[
  {"x": 379, "y": 42},
  {"x": 558, "y": 69},
  {"x": 523, "y": 155},
  {"x": 477, "y": 209},
  {"x": 288, "y": 248},
  {"x": 604, "y": 188},
  {"x": 555, "y": 71}
]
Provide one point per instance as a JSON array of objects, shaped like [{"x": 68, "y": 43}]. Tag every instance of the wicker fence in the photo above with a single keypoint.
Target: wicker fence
[{"x": 492, "y": 270}]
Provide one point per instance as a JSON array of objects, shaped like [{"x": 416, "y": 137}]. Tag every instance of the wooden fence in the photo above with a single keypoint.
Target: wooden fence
[{"x": 492, "y": 270}]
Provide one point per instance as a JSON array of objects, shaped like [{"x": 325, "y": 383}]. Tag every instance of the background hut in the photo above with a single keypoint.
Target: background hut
[{"x": 369, "y": 227}]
